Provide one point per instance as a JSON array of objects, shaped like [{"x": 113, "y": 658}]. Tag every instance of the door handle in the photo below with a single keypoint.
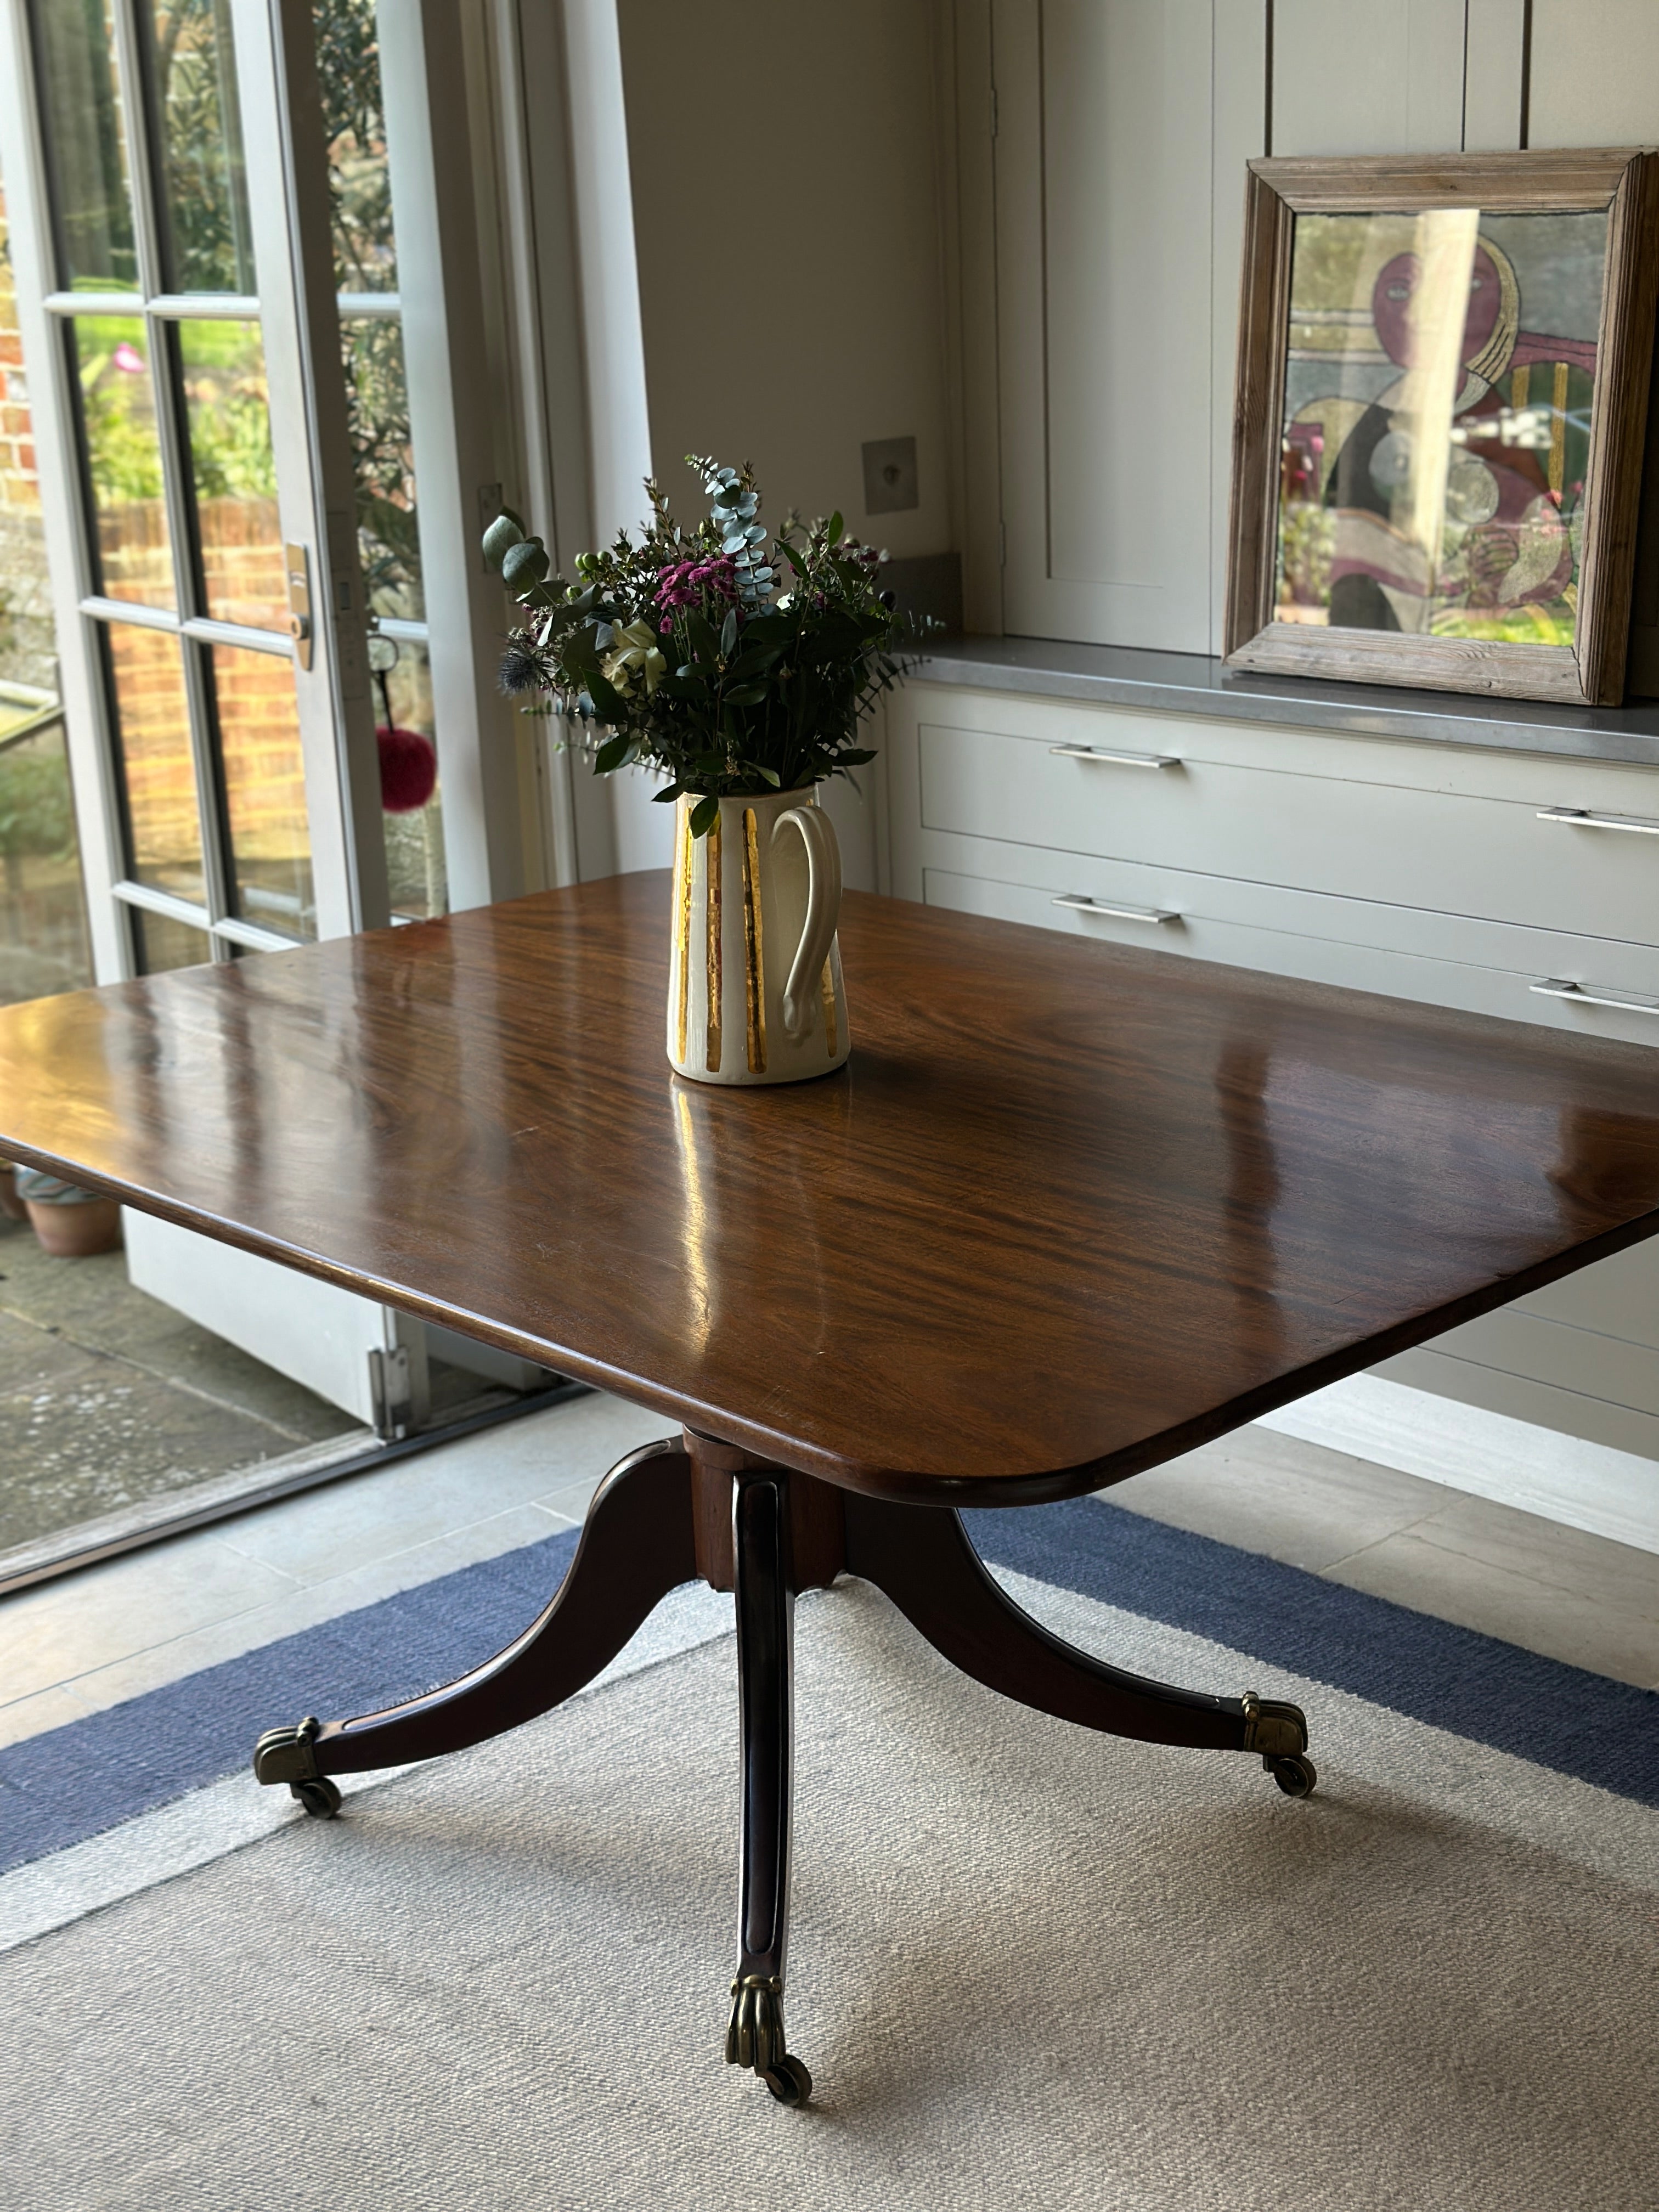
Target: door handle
[
  {"x": 1624, "y": 1003},
  {"x": 1582, "y": 818},
  {"x": 1081, "y": 904},
  {"x": 297, "y": 561},
  {"x": 1107, "y": 758}
]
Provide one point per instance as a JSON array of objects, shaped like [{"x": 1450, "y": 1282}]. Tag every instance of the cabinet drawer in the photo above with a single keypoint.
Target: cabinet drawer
[
  {"x": 1454, "y": 851},
  {"x": 1483, "y": 968}
]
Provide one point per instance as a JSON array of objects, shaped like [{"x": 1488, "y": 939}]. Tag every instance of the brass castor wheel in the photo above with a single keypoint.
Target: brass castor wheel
[
  {"x": 1295, "y": 1774},
  {"x": 788, "y": 2081},
  {"x": 320, "y": 1796}
]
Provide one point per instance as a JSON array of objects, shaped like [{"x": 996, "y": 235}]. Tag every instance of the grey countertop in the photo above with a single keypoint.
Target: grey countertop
[{"x": 1194, "y": 683}]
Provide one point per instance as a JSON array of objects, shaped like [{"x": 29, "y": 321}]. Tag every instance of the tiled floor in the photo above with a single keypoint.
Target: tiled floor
[
  {"x": 108, "y": 1396},
  {"x": 74, "y": 1646},
  {"x": 1532, "y": 1582}
]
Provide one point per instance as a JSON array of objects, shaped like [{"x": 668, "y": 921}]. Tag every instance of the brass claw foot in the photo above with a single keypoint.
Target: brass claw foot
[
  {"x": 755, "y": 2039},
  {"x": 287, "y": 1754},
  {"x": 1279, "y": 1733}
]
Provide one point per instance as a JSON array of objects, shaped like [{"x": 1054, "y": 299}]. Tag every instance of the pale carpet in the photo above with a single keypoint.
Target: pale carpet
[{"x": 1032, "y": 1967}]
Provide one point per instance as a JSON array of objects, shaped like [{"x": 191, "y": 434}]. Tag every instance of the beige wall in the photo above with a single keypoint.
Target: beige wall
[{"x": 785, "y": 209}]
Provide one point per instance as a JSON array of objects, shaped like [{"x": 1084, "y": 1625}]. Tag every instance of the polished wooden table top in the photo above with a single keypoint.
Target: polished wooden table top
[{"x": 1069, "y": 1209}]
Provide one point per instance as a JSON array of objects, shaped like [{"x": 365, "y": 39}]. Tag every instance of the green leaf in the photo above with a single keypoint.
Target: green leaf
[
  {"x": 855, "y": 760},
  {"x": 728, "y": 633},
  {"x": 523, "y": 564},
  {"x": 704, "y": 814},
  {"x": 704, "y": 643},
  {"x": 770, "y": 774},
  {"x": 502, "y": 535},
  {"x": 610, "y": 756},
  {"x": 834, "y": 531},
  {"x": 792, "y": 557},
  {"x": 610, "y": 703},
  {"x": 666, "y": 797}
]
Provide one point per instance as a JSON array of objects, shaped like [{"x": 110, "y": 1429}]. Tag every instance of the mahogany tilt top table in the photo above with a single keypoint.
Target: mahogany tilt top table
[{"x": 1069, "y": 1210}]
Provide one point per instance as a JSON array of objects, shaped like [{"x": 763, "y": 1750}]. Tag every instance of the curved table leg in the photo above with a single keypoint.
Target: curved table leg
[
  {"x": 766, "y": 1605},
  {"x": 921, "y": 1556},
  {"x": 636, "y": 1545}
]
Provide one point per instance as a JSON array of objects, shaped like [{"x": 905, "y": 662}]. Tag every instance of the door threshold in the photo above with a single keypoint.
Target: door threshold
[{"x": 245, "y": 1489}]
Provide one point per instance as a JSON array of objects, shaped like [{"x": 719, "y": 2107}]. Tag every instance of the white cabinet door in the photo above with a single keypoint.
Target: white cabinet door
[{"x": 1122, "y": 132}]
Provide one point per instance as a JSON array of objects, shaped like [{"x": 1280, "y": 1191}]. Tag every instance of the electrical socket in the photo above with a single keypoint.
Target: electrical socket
[{"x": 890, "y": 476}]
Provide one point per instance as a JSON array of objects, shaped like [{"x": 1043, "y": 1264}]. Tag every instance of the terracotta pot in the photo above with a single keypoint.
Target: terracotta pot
[
  {"x": 11, "y": 1204},
  {"x": 77, "y": 1231}
]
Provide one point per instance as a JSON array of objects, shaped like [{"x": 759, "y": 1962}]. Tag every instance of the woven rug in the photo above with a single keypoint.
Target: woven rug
[{"x": 1029, "y": 1965}]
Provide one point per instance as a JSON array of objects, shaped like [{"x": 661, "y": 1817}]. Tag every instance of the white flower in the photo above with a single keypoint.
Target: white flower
[{"x": 634, "y": 652}]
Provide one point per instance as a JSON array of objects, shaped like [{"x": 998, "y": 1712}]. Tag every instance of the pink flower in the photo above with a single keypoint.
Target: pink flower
[{"x": 129, "y": 359}]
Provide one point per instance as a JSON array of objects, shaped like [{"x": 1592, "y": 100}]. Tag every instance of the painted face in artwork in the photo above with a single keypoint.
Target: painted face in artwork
[{"x": 1395, "y": 314}]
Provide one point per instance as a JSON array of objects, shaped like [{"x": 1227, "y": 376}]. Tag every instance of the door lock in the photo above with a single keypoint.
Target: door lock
[{"x": 298, "y": 563}]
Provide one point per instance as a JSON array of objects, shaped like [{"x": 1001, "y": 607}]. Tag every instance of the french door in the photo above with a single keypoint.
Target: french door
[{"x": 201, "y": 202}]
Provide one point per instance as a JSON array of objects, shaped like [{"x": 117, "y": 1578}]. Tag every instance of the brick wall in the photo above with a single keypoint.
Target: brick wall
[{"x": 26, "y": 642}]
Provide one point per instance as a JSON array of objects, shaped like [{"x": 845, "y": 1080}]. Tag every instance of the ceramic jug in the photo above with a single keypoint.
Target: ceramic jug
[{"x": 754, "y": 986}]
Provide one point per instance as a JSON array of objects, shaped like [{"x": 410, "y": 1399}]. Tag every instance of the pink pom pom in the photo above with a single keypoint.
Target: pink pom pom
[{"x": 409, "y": 768}]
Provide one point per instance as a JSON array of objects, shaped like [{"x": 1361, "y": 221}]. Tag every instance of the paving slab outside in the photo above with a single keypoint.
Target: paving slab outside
[{"x": 108, "y": 1397}]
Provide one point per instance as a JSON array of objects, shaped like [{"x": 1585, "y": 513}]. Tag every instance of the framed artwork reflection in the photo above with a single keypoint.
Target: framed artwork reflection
[{"x": 1442, "y": 389}]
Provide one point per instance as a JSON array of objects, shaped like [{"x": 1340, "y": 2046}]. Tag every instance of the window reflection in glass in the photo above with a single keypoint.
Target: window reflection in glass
[
  {"x": 163, "y": 944},
  {"x": 235, "y": 477},
  {"x": 152, "y": 737},
  {"x": 353, "y": 120},
  {"x": 264, "y": 790},
  {"x": 43, "y": 918},
  {"x": 388, "y": 529},
  {"x": 365, "y": 264},
  {"x": 117, "y": 404},
  {"x": 86, "y": 142},
  {"x": 417, "y": 879},
  {"x": 194, "y": 66}
]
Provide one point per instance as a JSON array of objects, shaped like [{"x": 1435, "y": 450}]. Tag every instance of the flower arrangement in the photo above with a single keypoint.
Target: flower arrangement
[{"x": 733, "y": 661}]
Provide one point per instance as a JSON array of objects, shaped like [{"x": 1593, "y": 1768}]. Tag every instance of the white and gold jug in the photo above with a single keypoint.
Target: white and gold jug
[{"x": 754, "y": 986}]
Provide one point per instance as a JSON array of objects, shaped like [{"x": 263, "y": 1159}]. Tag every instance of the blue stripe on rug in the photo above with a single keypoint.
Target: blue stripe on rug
[
  {"x": 1557, "y": 1716},
  {"x": 74, "y": 1782}
]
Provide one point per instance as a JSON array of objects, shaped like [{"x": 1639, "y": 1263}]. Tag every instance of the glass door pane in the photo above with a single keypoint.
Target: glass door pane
[
  {"x": 233, "y": 473},
  {"x": 134, "y": 541},
  {"x": 43, "y": 922},
  {"x": 206, "y": 239},
  {"x": 86, "y": 135},
  {"x": 179, "y": 470},
  {"x": 383, "y": 461},
  {"x": 150, "y": 717},
  {"x": 265, "y": 791}
]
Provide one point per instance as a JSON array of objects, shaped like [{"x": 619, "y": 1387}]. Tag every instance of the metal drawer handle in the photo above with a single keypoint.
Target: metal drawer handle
[
  {"x": 1556, "y": 988},
  {"x": 1582, "y": 818},
  {"x": 1115, "y": 760},
  {"x": 1081, "y": 904}
]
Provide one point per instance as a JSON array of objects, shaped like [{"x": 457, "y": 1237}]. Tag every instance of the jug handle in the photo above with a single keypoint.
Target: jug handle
[{"x": 818, "y": 834}]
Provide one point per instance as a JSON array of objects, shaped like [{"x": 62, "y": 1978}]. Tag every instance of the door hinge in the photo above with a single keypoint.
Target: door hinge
[{"x": 391, "y": 1394}]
